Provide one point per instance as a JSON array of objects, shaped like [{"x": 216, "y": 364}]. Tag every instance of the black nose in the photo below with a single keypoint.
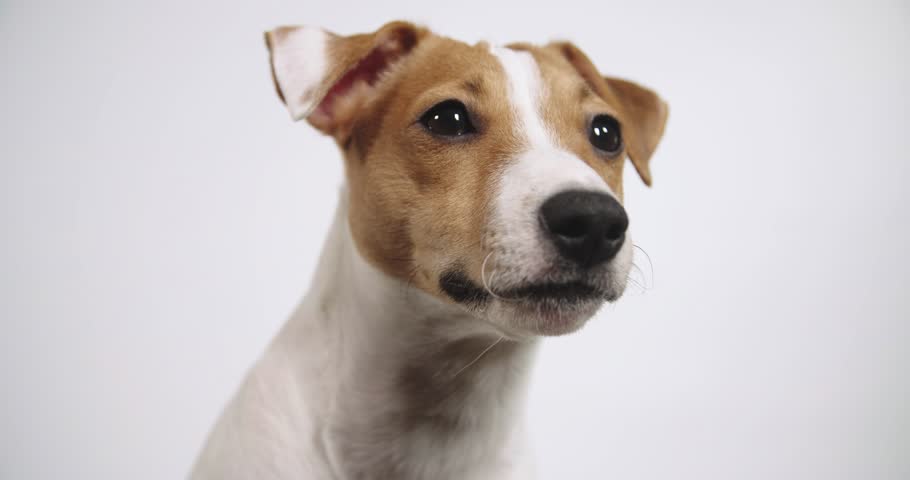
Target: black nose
[{"x": 586, "y": 227}]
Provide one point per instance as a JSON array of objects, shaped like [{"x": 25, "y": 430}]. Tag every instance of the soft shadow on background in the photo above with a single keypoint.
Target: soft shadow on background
[{"x": 161, "y": 216}]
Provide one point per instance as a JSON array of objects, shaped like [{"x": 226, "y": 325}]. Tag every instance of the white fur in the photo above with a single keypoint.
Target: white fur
[
  {"x": 328, "y": 381},
  {"x": 299, "y": 60}
]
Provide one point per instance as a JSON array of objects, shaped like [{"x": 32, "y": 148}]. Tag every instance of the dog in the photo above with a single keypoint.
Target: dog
[{"x": 481, "y": 211}]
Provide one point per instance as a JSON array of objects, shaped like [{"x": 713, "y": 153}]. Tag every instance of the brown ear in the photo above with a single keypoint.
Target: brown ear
[
  {"x": 323, "y": 77},
  {"x": 643, "y": 113}
]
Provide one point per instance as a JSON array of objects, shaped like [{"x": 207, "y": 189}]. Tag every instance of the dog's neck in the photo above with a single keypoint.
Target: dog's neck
[{"x": 409, "y": 386}]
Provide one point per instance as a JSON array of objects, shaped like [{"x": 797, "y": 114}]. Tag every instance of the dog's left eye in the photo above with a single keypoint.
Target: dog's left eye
[
  {"x": 449, "y": 119},
  {"x": 605, "y": 134}
]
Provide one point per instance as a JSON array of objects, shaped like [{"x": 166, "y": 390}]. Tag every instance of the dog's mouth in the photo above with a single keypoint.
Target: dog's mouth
[
  {"x": 571, "y": 292},
  {"x": 457, "y": 285},
  {"x": 552, "y": 307}
]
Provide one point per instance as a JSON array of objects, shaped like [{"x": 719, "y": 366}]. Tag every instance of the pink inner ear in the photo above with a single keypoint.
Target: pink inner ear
[{"x": 367, "y": 70}]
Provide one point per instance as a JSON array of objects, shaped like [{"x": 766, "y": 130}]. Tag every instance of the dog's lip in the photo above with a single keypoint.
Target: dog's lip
[
  {"x": 551, "y": 294},
  {"x": 573, "y": 291}
]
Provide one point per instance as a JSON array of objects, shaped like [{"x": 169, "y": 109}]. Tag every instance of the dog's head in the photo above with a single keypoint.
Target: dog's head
[{"x": 490, "y": 177}]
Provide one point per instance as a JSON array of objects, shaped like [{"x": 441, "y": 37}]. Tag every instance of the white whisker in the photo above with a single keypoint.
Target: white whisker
[
  {"x": 483, "y": 277},
  {"x": 472, "y": 362},
  {"x": 650, "y": 264}
]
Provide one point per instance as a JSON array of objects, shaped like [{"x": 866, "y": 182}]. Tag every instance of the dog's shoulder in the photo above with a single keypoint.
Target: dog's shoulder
[{"x": 269, "y": 429}]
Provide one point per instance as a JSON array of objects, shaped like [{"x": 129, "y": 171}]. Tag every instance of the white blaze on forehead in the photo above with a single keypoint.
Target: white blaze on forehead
[
  {"x": 543, "y": 167},
  {"x": 526, "y": 93}
]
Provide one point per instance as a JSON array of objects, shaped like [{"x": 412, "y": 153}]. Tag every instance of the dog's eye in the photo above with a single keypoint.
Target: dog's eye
[
  {"x": 605, "y": 134},
  {"x": 449, "y": 119}
]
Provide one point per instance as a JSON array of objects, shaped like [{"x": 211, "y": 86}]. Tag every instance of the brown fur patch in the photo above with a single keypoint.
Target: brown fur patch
[
  {"x": 642, "y": 114},
  {"x": 568, "y": 109},
  {"x": 419, "y": 202}
]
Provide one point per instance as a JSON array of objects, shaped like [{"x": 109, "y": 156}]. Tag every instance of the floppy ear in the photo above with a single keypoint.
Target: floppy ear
[
  {"x": 643, "y": 113},
  {"x": 324, "y": 77}
]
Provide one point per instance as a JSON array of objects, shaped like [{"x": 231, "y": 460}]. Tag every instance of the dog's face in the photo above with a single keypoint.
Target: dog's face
[{"x": 490, "y": 177}]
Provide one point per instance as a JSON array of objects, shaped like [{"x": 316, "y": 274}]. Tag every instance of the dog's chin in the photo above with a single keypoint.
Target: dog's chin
[
  {"x": 532, "y": 309},
  {"x": 544, "y": 316}
]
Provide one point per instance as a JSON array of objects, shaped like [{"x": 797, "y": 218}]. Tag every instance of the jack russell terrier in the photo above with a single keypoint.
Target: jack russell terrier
[{"x": 481, "y": 211}]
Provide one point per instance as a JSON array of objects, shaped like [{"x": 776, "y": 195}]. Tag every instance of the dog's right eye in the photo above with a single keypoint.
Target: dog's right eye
[{"x": 449, "y": 119}]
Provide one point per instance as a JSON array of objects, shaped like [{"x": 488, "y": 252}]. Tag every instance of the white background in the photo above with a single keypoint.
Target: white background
[{"x": 161, "y": 216}]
